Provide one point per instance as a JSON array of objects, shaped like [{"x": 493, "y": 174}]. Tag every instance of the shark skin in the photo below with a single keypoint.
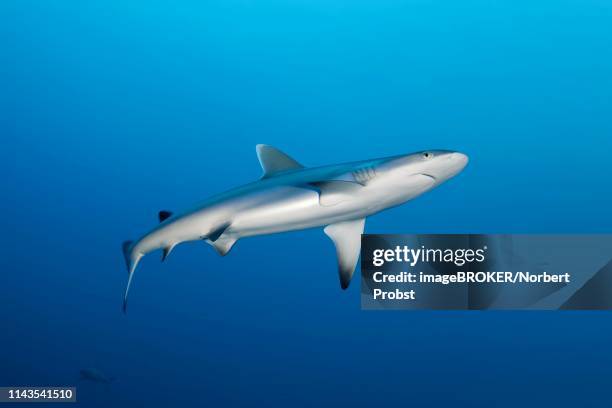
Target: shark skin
[{"x": 292, "y": 197}]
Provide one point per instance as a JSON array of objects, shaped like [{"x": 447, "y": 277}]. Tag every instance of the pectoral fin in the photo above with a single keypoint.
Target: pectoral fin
[
  {"x": 347, "y": 238},
  {"x": 335, "y": 191}
]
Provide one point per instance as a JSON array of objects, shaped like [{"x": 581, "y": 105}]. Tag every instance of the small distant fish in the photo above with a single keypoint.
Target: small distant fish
[{"x": 93, "y": 375}]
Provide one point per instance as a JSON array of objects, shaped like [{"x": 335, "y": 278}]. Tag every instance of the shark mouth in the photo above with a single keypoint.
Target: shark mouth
[{"x": 428, "y": 175}]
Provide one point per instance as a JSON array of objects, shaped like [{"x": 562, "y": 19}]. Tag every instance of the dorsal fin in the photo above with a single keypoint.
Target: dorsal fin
[
  {"x": 164, "y": 215},
  {"x": 273, "y": 161}
]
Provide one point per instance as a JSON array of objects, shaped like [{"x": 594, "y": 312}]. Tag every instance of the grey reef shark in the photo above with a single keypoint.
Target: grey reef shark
[{"x": 290, "y": 196}]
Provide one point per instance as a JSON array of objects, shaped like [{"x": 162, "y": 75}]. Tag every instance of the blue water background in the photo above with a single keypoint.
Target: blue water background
[{"x": 113, "y": 110}]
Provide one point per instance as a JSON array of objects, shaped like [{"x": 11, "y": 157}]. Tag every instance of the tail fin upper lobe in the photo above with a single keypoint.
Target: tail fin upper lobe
[
  {"x": 131, "y": 262},
  {"x": 127, "y": 247}
]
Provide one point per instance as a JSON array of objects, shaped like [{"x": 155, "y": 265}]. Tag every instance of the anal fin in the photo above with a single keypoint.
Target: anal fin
[{"x": 166, "y": 251}]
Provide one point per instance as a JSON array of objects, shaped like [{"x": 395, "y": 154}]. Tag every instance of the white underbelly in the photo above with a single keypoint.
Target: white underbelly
[{"x": 287, "y": 209}]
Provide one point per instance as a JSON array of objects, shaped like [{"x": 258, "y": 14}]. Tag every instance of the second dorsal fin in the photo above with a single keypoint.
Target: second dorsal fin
[
  {"x": 273, "y": 161},
  {"x": 164, "y": 215}
]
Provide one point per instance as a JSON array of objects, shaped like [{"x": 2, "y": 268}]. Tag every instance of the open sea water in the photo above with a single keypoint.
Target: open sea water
[{"x": 113, "y": 110}]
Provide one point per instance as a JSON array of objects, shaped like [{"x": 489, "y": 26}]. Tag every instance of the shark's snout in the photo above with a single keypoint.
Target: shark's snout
[
  {"x": 453, "y": 164},
  {"x": 446, "y": 165},
  {"x": 460, "y": 160}
]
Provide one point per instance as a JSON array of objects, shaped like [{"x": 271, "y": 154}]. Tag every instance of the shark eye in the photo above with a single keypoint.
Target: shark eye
[{"x": 427, "y": 155}]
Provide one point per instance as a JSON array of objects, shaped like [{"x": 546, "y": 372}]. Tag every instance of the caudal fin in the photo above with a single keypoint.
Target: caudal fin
[
  {"x": 127, "y": 248},
  {"x": 131, "y": 262}
]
